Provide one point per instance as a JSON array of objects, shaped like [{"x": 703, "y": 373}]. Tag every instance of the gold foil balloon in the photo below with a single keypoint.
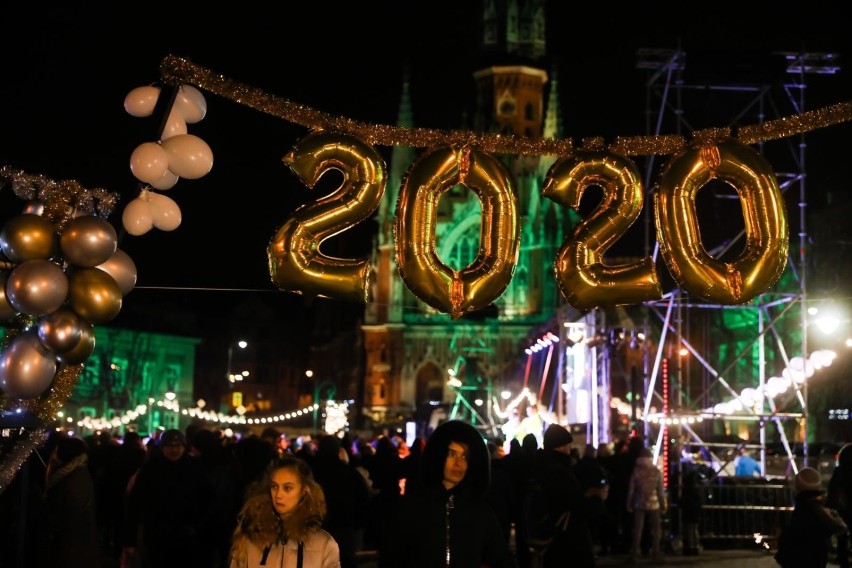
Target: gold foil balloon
[
  {"x": 767, "y": 233},
  {"x": 122, "y": 269},
  {"x": 36, "y": 287},
  {"x": 88, "y": 241},
  {"x": 26, "y": 367},
  {"x": 474, "y": 287},
  {"x": 583, "y": 278},
  {"x": 60, "y": 330},
  {"x": 296, "y": 263},
  {"x": 83, "y": 349},
  {"x": 28, "y": 237},
  {"x": 94, "y": 295}
]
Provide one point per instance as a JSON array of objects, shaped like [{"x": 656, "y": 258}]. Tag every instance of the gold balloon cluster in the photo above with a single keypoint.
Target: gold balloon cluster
[{"x": 60, "y": 275}]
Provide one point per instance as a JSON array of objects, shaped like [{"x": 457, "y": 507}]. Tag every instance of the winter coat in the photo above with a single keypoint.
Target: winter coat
[
  {"x": 805, "y": 541},
  {"x": 645, "y": 490},
  {"x": 319, "y": 551},
  {"x": 433, "y": 527},
  {"x": 554, "y": 471},
  {"x": 260, "y": 540},
  {"x": 71, "y": 509},
  {"x": 168, "y": 511}
]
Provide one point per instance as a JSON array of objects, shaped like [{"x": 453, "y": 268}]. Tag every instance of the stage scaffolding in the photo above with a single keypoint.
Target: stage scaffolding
[{"x": 681, "y": 394}]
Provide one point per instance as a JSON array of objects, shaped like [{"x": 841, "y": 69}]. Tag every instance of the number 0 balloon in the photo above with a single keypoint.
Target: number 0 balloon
[
  {"x": 767, "y": 234},
  {"x": 474, "y": 287}
]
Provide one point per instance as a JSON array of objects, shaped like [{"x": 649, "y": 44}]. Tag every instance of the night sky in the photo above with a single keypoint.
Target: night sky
[{"x": 67, "y": 70}]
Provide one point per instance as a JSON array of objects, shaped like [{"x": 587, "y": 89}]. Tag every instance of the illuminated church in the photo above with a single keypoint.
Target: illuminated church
[{"x": 418, "y": 361}]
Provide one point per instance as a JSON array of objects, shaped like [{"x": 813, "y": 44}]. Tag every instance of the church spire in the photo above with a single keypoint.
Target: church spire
[
  {"x": 553, "y": 116},
  {"x": 401, "y": 159}
]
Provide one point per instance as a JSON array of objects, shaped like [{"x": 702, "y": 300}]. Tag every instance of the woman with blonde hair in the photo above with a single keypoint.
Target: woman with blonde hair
[{"x": 279, "y": 524}]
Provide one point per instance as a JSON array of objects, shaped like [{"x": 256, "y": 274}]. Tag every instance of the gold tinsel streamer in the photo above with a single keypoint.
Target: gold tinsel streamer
[
  {"x": 62, "y": 199},
  {"x": 175, "y": 70}
]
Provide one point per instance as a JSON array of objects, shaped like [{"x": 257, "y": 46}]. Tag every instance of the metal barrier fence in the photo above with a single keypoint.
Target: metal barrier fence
[{"x": 746, "y": 510}]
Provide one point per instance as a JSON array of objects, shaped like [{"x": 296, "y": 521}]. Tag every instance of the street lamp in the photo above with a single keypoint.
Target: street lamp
[
  {"x": 331, "y": 391},
  {"x": 228, "y": 375}
]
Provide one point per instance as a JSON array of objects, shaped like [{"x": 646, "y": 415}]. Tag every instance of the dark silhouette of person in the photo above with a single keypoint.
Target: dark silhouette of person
[
  {"x": 72, "y": 507},
  {"x": 553, "y": 471},
  {"x": 168, "y": 507},
  {"x": 839, "y": 498},
  {"x": 347, "y": 499},
  {"x": 805, "y": 541}
]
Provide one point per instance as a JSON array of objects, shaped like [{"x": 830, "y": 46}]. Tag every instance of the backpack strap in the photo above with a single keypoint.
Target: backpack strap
[
  {"x": 300, "y": 555},
  {"x": 266, "y": 550}
]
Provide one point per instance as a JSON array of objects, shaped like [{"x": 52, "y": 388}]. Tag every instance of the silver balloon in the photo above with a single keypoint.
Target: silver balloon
[
  {"x": 60, "y": 331},
  {"x": 84, "y": 348},
  {"x": 26, "y": 367},
  {"x": 36, "y": 287},
  {"x": 28, "y": 237},
  {"x": 122, "y": 269},
  {"x": 7, "y": 311},
  {"x": 88, "y": 241}
]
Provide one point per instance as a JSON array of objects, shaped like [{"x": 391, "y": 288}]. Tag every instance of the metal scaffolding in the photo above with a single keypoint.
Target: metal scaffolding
[{"x": 674, "y": 322}]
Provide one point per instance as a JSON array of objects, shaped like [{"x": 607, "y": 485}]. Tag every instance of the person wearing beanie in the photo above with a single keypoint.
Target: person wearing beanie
[
  {"x": 806, "y": 540},
  {"x": 445, "y": 517},
  {"x": 169, "y": 508},
  {"x": 556, "y": 437},
  {"x": 646, "y": 499},
  {"x": 558, "y": 518}
]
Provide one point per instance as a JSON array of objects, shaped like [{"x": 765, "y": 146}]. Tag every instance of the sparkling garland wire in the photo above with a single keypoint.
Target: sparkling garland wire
[{"x": 177, "y": 70}]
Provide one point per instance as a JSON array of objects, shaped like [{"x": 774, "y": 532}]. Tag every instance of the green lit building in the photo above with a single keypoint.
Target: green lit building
[{"x": 130, "y": 370}]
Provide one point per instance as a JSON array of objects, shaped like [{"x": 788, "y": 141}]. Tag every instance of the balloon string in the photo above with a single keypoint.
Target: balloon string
[{"x": 176, "y": 70}]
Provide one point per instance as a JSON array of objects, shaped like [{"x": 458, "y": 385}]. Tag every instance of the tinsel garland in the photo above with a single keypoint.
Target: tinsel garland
[{"x": 176, "y": 70}]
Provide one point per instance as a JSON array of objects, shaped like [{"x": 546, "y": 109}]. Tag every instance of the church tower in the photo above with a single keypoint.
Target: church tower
[{"x": 420, "y": 362}]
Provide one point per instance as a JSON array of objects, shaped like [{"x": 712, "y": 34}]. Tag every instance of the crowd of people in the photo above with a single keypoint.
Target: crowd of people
[{"x": 455, "y": 498}]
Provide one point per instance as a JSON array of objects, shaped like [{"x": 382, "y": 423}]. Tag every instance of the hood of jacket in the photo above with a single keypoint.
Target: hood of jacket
[{"x": 478, "y": 476}]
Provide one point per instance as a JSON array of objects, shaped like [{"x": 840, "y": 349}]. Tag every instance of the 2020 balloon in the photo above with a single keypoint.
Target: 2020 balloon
[{"x": 584, "y": 279}]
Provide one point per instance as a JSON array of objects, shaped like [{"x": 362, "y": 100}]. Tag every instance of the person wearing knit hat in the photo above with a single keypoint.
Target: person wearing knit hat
[
  {"x": 556, "y": 517},
  {"x": 806, "y": 539},
  {"x": 556, "y": 436}
]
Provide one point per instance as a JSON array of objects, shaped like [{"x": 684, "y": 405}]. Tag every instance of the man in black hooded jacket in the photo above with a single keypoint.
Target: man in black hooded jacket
[{"x": 445, "y": 520}]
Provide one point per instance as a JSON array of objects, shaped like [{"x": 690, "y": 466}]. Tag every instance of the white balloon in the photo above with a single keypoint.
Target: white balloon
[
  {"x": 141, "y": 101},
  {"x": 149, "y": 162},
  {"x": 168, "y": 181},
  {"x": 191, "y": 104},
  {"x": 189, "y": 156},
  {"x": 137, "y": 217},
  {"x": 175, "y": 125},
  {"x": 164, "y": 211}
]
